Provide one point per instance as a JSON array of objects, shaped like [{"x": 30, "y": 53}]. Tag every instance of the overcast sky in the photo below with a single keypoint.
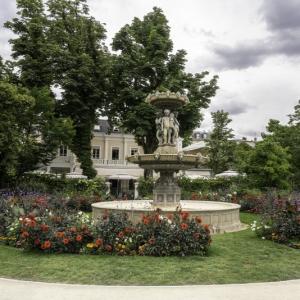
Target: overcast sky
[{"x": 254, "y": 47}]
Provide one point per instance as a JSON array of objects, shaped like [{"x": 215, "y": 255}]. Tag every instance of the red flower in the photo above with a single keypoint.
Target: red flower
[
  {"x": 46, "y": 245},
  {"x": 120, "y": 234},
  {"x": 146, "y": 220},
  {"x": 206, "y": 227},
  {"x": 79, "y": 238},
  {"x": 108, "y": 248},
  {"x": 37, "y": 242},
  {"x": 25, "y": 234},
  {"x": 198, "y": 220},
  {"x": 152, "y": 241},
  {"x": 99, "y": 242},
  {"x": 184, "y": 226},
  {"x": 44, "y": 227},
  {"x": 184, "y": 215},
  {"x": 66, "y": 241}
]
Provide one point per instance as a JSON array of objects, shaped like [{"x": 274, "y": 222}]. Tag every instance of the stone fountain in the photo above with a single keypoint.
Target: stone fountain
[{"x": 167, "y": 161}]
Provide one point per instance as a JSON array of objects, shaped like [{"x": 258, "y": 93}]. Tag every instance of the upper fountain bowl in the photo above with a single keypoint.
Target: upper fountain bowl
[{"x": 167, "y": 99}]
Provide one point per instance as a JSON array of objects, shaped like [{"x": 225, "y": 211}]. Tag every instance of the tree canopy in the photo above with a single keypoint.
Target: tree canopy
[
  {"x": 144, "y": 63},
  {"x": 220, "y": 146}
]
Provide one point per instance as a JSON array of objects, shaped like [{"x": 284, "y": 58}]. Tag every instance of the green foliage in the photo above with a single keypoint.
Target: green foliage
[
  {"x": 53, "y": 184},
  {"x": 241, "y": 156},
  {"x": 220, "y": 147},
  {"x": 53, "y": 228},
  {"x": 288, "y": 136},
  {"x": 145, "y": 63},
  {"x": 280, "y": 221},
  {"x": 269, "y": 166},
  {"x": 145, "y": 187},
  {"x": 80, "y": 62}
]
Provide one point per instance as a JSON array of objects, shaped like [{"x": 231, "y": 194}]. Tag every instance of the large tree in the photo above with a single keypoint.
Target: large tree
[
  {"x": 288, "y": 136},
  {"x": 42, "y": 129},
  {"x": 80, "y": 63},
  {"x": 145, "y": 62},
  {"x": 269, "y": 165},
  {"x": 221, "y": 147}
]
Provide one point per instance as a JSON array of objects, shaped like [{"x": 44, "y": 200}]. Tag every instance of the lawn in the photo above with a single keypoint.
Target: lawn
[{"x": 233, "y": 258}]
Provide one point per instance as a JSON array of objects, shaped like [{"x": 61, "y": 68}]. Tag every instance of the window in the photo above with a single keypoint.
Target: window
[
  {"x": 115, "y": 153},
  {"x": 133, "y": 151},
  {"x": 96, "y": 152},
  {"x": 63, "y": 150}
]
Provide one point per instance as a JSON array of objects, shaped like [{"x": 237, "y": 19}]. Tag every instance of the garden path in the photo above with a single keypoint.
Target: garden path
[{"x": 28, "y": 290}]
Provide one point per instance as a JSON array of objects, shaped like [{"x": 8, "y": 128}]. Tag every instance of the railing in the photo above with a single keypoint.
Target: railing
[{"x": 111, "y": 162}]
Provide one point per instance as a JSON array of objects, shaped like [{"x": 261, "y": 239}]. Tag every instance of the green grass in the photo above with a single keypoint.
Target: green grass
[{"x": 233, "y": 258}]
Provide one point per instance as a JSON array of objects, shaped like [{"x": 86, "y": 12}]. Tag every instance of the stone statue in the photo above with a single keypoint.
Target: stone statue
[{"x": 167, "y": 128}]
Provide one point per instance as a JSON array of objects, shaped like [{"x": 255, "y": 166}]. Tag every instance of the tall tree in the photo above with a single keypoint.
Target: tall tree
[
  {"x": 43, "y": 130},
  {"x": 80, "y": 62},
  {"x": 241, "y": 156},
  {"x": 269, "y": 165},
  {"x": 288, "y": 136},
  {"x": 220, "y": 146},
  {"x": 145, "y": 63}
]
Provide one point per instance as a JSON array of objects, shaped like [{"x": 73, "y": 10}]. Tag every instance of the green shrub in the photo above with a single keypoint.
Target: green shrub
[
  {"x": 280, "y": 219},
  {"x": 145, "y": 187}
]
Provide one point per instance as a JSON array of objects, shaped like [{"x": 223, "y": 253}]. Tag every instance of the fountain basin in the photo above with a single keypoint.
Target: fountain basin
[{"x": 220, "y": 216}]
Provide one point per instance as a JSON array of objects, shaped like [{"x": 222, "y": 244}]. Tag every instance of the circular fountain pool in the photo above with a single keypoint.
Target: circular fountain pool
[{"x": 221, "y": 216}]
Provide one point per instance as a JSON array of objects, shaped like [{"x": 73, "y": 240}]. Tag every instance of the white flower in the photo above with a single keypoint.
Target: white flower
[{"x": 263, "y": 238}]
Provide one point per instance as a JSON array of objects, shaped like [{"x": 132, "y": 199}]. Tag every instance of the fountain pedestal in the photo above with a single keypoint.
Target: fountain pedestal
[{"x": 166, "y": 191}]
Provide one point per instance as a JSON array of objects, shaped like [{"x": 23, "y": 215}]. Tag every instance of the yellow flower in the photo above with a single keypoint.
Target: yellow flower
[{"x": 90, "y": 245}]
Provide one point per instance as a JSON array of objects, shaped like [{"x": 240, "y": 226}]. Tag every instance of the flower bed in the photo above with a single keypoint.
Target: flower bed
[
  {"x": 59, "y": 230},
  {"x": 280, "y": 221}
]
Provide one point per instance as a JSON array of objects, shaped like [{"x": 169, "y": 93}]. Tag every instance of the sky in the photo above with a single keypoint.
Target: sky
[{"x": 253, "y": 46}]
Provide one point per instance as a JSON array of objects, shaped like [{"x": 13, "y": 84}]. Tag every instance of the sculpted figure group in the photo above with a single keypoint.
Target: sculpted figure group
[{"x": 167, "y": 128}]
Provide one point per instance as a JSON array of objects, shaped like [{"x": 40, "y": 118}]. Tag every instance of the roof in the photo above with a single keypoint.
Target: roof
[{"x": 195, "y": 146}]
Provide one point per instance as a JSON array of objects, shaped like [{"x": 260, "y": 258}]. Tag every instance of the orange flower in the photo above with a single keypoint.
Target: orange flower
[
  {"x": 184, "y": 215},
  {"x": 146, "y": 220},
  {"x": 198, "y": 220},
  {"x": 206, "y": 227},
  {"x": 60, "y": 234},
  {"x": 44, "y": 227},
  {"x": 108, "y": 248},
  {"x": 25, "y": 234},
  {"x": 98, "y": 242},
  {"x": 66, "y": 241},
  {"x": 120, "y": 234},
  {"x": 79, "y": 238},
  {"x": 46, "y": 245},
  {"x": 184, "y": 226}
]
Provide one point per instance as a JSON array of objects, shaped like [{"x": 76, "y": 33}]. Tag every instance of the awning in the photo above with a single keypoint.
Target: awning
[
  {"x": 76, "y": 175},
  {"x": 122, "y": 177},
  {"x": 229, "y": 173}
]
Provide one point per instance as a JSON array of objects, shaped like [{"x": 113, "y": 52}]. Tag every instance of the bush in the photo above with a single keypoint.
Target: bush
[
  {"x": 145, "y": 187},
  {"x": 47, "y": 183},
  {"x": 35, "y": 224},
  {"x": 280, "y": 220}
]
